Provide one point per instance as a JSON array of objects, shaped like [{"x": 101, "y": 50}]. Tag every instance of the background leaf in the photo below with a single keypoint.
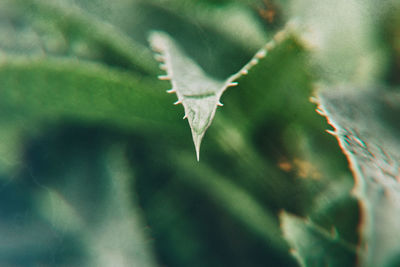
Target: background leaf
[
  {"x": 367, "y": 134},
  {"x": 39, "y": 90},
  {"x": 314, "y": 246},
  {"x": 96, "y": 164},
  {"x": 50, "y": 218}
]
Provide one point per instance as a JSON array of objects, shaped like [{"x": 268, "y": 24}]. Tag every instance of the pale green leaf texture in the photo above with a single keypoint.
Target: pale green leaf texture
[
  {"x": 366, "y": 125},
  {"x": 340, "y": 34},
  {"x": 64, "y": 29},
  {"x": 198, "y": 92},
  {"x": 315, "y": 246}
]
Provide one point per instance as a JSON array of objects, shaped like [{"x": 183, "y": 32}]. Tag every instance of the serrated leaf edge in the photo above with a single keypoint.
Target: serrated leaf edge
[{"x": 163, "y": 56}]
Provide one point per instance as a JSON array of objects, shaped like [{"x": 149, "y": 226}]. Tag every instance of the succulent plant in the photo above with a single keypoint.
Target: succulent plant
[{"x": 300, "y": 167}]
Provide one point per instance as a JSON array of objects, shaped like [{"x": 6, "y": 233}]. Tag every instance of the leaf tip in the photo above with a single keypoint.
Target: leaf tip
[
  {"x": 331, "y": 132},
  {"x": 232, "y": 84},
  {"x": 244, "y": 72},
  {"x": 253, "y": 62},
  {"x": 163, "y": 66},
  {"x": 261, "y": 54},
  {"x": 320, "y": 112},
  {"x": 198, "y": 154},
  {"x": 164, "y": 77},
  {"x": 197, "y": 142},
  {"x": 178, "y": 102},
  {"x": 159, "y": 58}
]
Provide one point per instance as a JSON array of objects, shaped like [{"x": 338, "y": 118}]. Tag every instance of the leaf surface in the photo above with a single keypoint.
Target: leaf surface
[
  {"x": 315, "y": 246},
  {"x": 198, "y": 92},
  {"x": 37, "y": 91},
  {"x": 366, "y": 124},
  {"x": 74, "y": 204},
  {"x": 62, "y": 28}
]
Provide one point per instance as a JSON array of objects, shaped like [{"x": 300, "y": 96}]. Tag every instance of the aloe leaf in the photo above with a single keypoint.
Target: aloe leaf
[
  {"x": 210, "y": 34},
  {"x": 315, "y": 246},
  {"x": 198, "y": 92},
  {"x": 120, "y": 225},
  {"x": 365, "y": 122},
  {"x": 64, "y": 29},
  {"x": 117, "y": 235},
  {"x": 53, "y": 88},
  {"x": 36, "y": 91},
  {"x": 235, "y": 21},
  {"x": 77, "y": 209},
  {"x": 234, "y": 199},
  {"x": 199, "y": 97},
  {"x": 342, "y": 43}
]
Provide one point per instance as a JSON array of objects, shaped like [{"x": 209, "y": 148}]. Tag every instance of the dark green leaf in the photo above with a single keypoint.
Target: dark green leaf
[
  {"x": 43, "y": 90},
  {"x": 314, "y": 246}
]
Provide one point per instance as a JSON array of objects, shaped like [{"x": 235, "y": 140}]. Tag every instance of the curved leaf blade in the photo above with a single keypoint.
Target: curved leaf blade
[{"x": 36, "y": 90}]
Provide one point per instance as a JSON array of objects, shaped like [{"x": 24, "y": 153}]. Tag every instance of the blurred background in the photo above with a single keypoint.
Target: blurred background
[{"x": 97, "y": 168}]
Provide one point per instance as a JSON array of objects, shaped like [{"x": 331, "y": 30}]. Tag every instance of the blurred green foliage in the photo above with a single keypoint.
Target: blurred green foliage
[{"x": 98, "y": 169}]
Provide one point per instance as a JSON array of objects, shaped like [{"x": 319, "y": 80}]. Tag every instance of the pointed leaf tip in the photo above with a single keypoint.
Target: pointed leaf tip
[
  {"x": 198, "y": 92},
  {"x": 164, "y": 77},
  {"x": 197, "y": 142},
  {"x": 198, "y": 154}
]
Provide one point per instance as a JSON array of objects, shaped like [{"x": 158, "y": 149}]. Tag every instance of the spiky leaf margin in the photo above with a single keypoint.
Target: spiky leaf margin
[
  {"x": 365, "y": 124},
  {"x": 198, "y": 92}
]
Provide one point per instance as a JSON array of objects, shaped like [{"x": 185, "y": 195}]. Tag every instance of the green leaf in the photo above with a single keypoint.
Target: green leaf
[
  {"x": 315, "y": 246},
  {"x": 198, "y": 92},
  {"x": 366, "y": 124},
  {"x": 233, "y": 199},
  {"x": 342, "y": 41},
  {"x": 235, "y": 21},
  {"x": 117, "y": 235},
  {"x": 74, "y": 204},
  {"x": 46, "y": 88},
  {"x": 37, "y": 91},
  {"x": 64, "y": 29}
]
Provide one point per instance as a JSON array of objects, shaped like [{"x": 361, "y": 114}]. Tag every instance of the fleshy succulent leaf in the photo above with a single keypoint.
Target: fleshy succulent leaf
[
  {"x": 198, "y": 92},
  {"x": 315, "y": 246},
  {"x": 362, "y": 119}
]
